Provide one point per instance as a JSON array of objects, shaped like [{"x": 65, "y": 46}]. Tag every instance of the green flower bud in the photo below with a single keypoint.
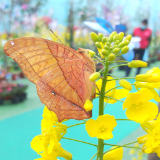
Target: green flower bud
[
  {"x": 106, "y": 47},
  {"x": 115, "y": 37},
  {"x": 137, "y": 64},
  {"x": 104, "y": 52},
  {"x": 100, "y": 36},
  {"x": 111, "y": 57},
  {"x": 112, "y": 35},
  {"x": 94, "y": 37},
  {"x": 116, "y": 50},
  {"x": 108, "y": 44},
  {"x": 115, "y": 46},
  {"x": 124, "y": 50},
  {"x": 94, "y": 76},
  {"x": 126, "y": 42},
  {"x": 104, "y": 40},
  {"x": 91, "y": 53},
  {"x": 109, "y": 40},
  {"x": 121, "y": 45},
  {"x": 129, "y": 37},
  {"x": 121, "y": 35},
  {"x": 117, "y": 42},
  {"x": 98, "y": 45},
  {"x": 125, "y": 84}
]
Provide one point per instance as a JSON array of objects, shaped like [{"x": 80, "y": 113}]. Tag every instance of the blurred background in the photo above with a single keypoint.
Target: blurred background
[{"x": 72, "y": 21}]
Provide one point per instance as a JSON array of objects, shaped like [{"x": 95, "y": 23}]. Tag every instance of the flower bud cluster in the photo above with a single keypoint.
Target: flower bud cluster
[{"x": 112, "y": 45}]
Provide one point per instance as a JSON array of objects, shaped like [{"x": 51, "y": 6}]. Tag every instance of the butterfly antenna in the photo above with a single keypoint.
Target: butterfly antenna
[{"x": 56, "y": 36}]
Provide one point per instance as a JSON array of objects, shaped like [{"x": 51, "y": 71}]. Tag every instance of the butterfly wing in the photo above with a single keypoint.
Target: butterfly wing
[{"x": 60, "y": 73}]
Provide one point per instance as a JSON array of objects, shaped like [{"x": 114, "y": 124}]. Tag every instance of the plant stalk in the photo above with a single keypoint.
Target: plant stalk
[{"x": 100, "y": 146}]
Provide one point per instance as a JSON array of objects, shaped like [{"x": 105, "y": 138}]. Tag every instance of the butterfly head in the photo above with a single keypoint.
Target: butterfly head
[
  {"x": 86, "y": 52},
  {"x": 82, "y": 50}
]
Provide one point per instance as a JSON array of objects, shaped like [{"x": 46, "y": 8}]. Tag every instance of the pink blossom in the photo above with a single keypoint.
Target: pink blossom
[
  {"x": 24, "y": 6},
  {"x": 9, "y": 89},
  {"x": 47, "y": 20},
  {"x": 1, "y": 90}
]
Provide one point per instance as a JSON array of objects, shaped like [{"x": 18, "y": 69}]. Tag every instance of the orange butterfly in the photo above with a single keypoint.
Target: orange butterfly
[{"x": 60, "y": 73}]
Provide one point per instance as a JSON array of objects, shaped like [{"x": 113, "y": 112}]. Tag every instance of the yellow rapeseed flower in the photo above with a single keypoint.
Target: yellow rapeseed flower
[
  {"x": 47, "y": 143},
  {"x": 102, "y": 127},
  {"x": 139, "y": 109},
  {"x": 115, "y": 93},
  {"x": 115, "y": 154},
  {"x": 151, "y": 140}
]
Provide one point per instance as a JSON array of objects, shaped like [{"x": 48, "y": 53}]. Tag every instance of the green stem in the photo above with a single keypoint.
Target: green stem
[
  {"x": 101, "y": 70},
  {"x": 118, "y": 66},
  {"x": 79, "y": 141},
  {"x": 94, "y": 156},
  {"x": 119, "y": 147},
  {"x": 118, "y": 62},
  {"x": 113, "y": 76},
  {"x": 114, "y": 98},
  {"x": 106, "y": 104},
  {"x": 100, "y": 60},
  {"x": 101, "y": 103},
  {"x": 121, "y": 78},
  {"x": 100, "y": 149},
  {"x": 112, "y": 89},
  {"x": 76, "y": 124},
  {"x": 115, "y": 88},
  {"x": 126, "y": 146}
]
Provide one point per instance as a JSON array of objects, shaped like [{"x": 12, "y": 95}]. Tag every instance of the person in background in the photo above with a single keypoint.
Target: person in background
[{"x": 145, "y": 34}]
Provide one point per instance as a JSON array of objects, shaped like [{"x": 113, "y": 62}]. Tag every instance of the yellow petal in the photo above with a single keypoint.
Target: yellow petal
[
  {"x": 156, "y": 96},
  {"x": 65, "y": 154},
  {"x": 37, "y": 143},
  {"x": 121, "y": 93},
  {"x": 53, "y": 143},
  {"x": 106, "y": 121},
  {"x": 92, "y": 127},
  {"x": 51, "y": 156},
  {"x": 118, "y": 94},
  {"x": 115, "y": 154},
  {"x": 110, "y": 84},
  {"x": 107, "y": 134},
  {"x": 152, "y": 109},
  {"x": 145, "y": 95},
  {"x": 137, "y": 114}
]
